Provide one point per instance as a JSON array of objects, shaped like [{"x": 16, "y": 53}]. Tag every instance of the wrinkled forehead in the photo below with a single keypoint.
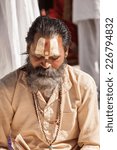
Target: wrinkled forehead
[{"x": 48, "y": 46}]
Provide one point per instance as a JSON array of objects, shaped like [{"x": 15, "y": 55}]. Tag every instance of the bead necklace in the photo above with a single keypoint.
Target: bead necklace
[{"x": 39, "y": 112}]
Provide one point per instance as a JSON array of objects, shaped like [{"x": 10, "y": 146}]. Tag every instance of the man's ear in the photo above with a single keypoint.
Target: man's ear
[{"x": 66, "y": 51}]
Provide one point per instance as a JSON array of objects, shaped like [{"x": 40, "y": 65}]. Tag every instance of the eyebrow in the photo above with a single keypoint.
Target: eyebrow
[{"x": 39, "y": 55}]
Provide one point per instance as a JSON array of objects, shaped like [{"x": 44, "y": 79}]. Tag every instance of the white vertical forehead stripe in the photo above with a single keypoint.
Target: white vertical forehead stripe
[
  {"x": 40, "y": 47},
  {"x": 54, "y": 48}
]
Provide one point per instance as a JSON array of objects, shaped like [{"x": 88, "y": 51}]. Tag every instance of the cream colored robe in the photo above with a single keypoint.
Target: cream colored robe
[{"x": 79, "y": 125}]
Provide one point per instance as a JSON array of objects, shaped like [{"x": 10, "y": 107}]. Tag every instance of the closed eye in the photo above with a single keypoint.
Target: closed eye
[
  {"x": 36, "y": 57},
  {"x": 54, "y": 57}
]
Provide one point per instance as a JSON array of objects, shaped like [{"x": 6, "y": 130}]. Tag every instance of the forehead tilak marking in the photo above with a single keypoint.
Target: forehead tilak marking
[
  {"x": 54, "y": 47},
  {"x": 47, "y": 47},
  {"x": 40, "y": 46},
  {"x": 43, "y": 47}
]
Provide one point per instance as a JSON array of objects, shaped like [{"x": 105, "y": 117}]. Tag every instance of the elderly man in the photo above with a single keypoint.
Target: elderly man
[{"x": 47, "y": 104}]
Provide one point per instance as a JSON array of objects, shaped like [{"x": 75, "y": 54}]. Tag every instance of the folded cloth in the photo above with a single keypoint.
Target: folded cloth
[{"x": 19, "y": 143}]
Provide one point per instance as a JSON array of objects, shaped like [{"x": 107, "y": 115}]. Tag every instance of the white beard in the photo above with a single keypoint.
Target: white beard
[
  {"x": 45, "y": 86},
  {"x": 44, "y": 80}
]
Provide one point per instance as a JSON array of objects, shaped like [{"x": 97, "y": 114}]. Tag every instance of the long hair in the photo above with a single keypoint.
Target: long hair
[{"x": 47, "y": 26}]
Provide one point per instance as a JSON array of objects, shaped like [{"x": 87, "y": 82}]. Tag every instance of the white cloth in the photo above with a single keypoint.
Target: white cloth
[
  {"x": 85, "y": 9},
  {"x": 86, "y": 14},
  {"x": 16, "y": 17},
  {"x": 89, "y": 47}
]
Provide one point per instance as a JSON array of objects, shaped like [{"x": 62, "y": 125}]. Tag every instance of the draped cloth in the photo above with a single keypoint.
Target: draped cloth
[{"x": 16, "y": 17}]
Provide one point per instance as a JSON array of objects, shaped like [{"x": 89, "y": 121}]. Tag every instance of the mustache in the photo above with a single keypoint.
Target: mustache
[{"x": 44, "y": 72}]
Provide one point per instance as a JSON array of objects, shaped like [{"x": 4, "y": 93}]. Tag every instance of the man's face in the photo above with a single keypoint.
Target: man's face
[
  {"x": 47, "y": 52},
  {"x": 45, "y": 64}
]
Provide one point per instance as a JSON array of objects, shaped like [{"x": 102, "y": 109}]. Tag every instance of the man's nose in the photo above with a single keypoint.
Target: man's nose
[{"x": 45, "y": 63}]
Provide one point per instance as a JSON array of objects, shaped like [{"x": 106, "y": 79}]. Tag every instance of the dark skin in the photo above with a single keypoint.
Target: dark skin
[{"x": 46, "y": 61}]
